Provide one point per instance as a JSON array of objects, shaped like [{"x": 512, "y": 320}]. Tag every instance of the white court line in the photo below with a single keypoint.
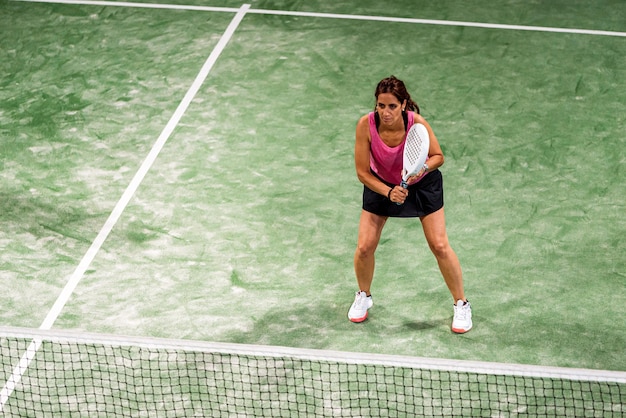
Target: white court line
[
  {"x": 139, "y": 5},
  {"x": 339, "y": 16},
  {"x": 69, "y": 288}
]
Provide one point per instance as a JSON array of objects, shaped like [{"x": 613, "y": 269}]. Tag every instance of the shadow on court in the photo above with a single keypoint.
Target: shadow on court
[
  {"x": 425, "y": 325},
  {"x": 324, "y": 325}
]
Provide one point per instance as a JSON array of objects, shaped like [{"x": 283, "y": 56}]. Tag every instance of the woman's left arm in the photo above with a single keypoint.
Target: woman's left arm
[{"x": 435, "y": 155}]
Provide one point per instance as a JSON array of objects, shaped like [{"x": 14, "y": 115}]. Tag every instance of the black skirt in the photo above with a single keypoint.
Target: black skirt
[{"x": 425, "y": 197}]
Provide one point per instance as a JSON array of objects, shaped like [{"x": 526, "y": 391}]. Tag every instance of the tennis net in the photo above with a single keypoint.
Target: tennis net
[{"x": 66, "y": 373}]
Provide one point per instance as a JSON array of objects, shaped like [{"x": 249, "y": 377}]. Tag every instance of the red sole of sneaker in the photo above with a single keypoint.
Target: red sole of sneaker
[
  {"x": 357, "y": 320},
  {"x": 460, "y": 331}
]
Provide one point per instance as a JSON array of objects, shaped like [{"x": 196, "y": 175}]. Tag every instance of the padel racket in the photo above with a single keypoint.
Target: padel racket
[{"x": 415, "y": 152}]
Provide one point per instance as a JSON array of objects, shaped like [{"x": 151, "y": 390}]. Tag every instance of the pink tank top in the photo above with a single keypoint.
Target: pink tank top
[{"x": 386, "y": 161}]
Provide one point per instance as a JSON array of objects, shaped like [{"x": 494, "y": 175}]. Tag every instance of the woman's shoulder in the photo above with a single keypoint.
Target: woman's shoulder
[
  {"x": 417, "y": 118},
  {"x": 363, "y": 127},
  {"x": 365, "y": 119}
]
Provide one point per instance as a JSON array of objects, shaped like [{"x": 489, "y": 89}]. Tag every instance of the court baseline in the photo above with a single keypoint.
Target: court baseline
[{"x": 338, "y": 16}]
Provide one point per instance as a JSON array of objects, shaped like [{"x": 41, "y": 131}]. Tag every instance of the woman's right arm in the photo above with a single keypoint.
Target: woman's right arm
[{"x": 362, "y": 158}]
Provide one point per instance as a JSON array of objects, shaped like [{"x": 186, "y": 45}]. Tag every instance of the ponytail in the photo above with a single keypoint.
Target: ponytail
[{"x": 411, "y": 105}]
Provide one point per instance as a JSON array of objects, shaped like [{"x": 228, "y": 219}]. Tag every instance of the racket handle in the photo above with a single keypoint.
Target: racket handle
[{"x": 404, "y": 185}]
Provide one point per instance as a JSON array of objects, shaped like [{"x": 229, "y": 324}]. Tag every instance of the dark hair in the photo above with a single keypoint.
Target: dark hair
[{"x": 396, "y": 87}]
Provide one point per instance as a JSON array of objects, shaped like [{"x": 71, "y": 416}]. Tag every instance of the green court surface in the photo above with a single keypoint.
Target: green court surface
[{"x": 244, "y": 227}]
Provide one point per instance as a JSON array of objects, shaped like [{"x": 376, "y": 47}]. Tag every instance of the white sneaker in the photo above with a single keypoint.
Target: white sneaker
[
  {"x": 358, "y": 310},
  {"x": 462, "y": 321}
]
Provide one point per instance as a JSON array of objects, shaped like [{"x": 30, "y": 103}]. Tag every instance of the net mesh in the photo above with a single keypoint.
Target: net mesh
[{"x": 86, "y": 377}]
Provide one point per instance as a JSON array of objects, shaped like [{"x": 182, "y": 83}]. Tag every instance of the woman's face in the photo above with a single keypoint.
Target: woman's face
[{"x": 389, "y": 109}]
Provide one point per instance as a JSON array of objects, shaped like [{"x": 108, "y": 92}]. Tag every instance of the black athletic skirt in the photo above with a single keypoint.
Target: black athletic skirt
[{"x": 425, "y": 197}]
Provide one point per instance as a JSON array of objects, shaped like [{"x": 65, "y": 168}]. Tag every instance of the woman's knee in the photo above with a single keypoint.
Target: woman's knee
[
  {"x": 440, "y": 248},
  {"x": 365, "y": 249}
]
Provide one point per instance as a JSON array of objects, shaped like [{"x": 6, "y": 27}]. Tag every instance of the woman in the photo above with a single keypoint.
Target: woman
[{"x": 380, "y": 137}]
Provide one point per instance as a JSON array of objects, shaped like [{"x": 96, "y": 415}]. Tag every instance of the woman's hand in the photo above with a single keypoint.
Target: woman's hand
[
  {"x": 413, "y": 179},
  {"x": 398, "y": 194}
]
